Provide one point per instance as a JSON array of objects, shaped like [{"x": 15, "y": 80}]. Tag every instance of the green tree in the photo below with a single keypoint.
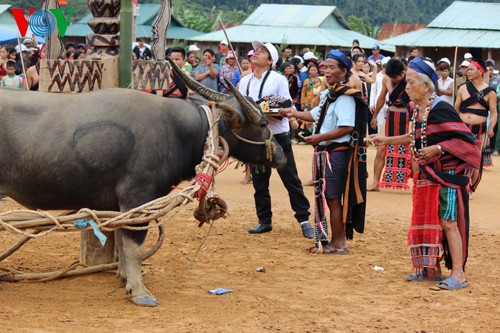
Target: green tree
[{"x": 360, "y": 25}]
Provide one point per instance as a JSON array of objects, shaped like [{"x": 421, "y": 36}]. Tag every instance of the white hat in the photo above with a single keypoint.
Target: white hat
[
  {"x": 465, "y": 63},
  {"x": 309, "y": 55},
  {"x": 230, "y": 55},
  {"x": 23, "y": 48},
  {"x": 270, "y": 47},
  {"x": 467, "y": 55},
  {"x": 446, "y": 60},
  {"x": 193, "y": 47},
  {"x": 224, "y": 42},
  {"x": 300, "y": 58},
  {"x": 27, "y": 40},
  {"x": 385, "y": 60}
]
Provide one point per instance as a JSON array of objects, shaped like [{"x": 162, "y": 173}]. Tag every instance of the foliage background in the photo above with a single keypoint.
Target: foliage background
[{"x": 364, "y": 16}]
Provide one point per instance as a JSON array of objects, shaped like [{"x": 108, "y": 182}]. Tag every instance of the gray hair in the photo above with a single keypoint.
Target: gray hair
[{"x": 426, "y": 79}]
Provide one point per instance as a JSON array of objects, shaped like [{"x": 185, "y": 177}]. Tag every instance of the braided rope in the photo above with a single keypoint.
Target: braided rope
[
  {"x": 42, "y": 223},
  {"x": 270, "y": 145}
]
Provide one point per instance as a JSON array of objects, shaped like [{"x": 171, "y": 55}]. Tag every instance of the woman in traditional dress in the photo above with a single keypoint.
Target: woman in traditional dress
[
  {"x": 445, "y": 150},
  {"x": 310, "y": 88}
]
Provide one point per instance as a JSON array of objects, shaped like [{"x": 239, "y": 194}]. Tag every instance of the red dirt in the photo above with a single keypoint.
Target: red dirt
[{"x": 299, "y": 292}]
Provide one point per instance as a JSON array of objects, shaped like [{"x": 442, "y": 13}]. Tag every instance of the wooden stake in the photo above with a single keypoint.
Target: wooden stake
[
  {"x": 454, "y": 76},
  {"x": 231, "y": 46}
]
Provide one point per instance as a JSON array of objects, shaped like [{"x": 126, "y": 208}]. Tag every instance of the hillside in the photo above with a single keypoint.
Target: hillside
[{"x": 374, "y": 12}]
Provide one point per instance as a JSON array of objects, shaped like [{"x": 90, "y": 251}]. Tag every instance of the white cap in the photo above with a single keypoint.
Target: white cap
[
  {"x": 385, "y": 60},
  {"x": 224, "y": 42},
  {"x": 270, "y": 47},
  {"x": 465, "y": 63},
  {"x": 23, "y": 48},
  {"x": 446, "y": 60},
  {"x": 309, "y": 55},
  {"x": 300, "y": 58},
  {"x": 193, "y": 47},
  {"x": 467, "y": 55}
]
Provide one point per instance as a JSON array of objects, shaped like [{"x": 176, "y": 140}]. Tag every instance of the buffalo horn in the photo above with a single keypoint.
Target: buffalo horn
[
  {"x": 196, "y": 86},
  {"x": 252, "y": 112}
]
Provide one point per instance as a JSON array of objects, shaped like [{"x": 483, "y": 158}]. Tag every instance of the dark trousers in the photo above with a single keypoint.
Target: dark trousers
[{"x": 289, "y": 177}]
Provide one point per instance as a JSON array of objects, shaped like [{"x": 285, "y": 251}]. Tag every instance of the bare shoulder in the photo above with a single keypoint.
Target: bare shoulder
[{"x": 355, "y": 81}]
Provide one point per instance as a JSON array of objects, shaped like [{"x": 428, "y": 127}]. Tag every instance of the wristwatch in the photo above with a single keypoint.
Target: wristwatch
[{"x": 440, "y": 149}]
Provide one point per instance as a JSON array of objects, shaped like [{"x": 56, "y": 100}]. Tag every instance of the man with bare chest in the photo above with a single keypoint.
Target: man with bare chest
[{"x": 474, "y": 100}]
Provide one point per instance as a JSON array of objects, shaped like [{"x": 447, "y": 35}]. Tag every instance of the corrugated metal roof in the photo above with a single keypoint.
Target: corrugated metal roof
[
  {"x": 141, "y": 31},
  {"x": 293, "y": 36},
  {"x": 469, "y": 15},
  {"x": 395, "y": 29},
  {"x": 435, "y": 37},
  {"x": 273, "y": 15},
  {"x": 462, "y": 24},
  {"x": 295, "y": 25},
  {"x": 3, "y": 8},
  {"x": 147, "y": 15}
]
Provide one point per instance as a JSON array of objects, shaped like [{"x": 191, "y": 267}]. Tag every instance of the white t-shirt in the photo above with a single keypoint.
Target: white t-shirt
[
  {"x": 275, "y": 84},
  {"x": 376, "y": 89},
  {"x": 447, "y": 84}
]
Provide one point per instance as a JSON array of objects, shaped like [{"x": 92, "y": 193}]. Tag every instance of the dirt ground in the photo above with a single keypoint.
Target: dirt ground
[{"x": 298, "y": 292}]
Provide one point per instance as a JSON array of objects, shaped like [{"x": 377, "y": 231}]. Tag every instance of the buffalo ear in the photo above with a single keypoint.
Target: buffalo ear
[{"x": 233, "y": 118}]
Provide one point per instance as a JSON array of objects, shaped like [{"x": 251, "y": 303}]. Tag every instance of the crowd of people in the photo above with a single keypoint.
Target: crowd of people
[
  {"x": 24, "y": 62},
  {"x": 407, "y": 106},
  {"x": 429, "y": 122}
]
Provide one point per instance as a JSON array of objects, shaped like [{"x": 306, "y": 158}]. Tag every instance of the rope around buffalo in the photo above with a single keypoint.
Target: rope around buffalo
[
  {"x": 270, "y": 145},
  {"x": 42, "y": 222}
]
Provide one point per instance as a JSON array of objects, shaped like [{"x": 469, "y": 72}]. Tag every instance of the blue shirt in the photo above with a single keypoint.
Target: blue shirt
[
  {"x": 342, "y": 112},
  {"x": 372, "y": 58}
]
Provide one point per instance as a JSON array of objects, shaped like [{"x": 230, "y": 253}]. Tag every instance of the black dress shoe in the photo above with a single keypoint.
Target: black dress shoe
[
  {"x": 261, "y": 228},
  {"x": 307, "y": 230}
]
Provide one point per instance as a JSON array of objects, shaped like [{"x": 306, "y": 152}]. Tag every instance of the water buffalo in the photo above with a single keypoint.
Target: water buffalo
[{"x": 116, "y": 149}]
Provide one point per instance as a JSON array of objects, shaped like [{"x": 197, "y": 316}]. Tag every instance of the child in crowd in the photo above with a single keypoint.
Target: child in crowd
[{"x": 11, "y": 80}]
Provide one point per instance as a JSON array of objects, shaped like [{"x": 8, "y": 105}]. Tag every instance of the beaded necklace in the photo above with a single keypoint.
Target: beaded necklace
[{"x": 423, "y": 128}]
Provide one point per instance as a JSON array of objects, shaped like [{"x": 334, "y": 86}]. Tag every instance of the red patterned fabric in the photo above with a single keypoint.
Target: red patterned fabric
[
  {"x": 397, "y": 165},
  {"x": 461, "y": 154},
  {"x": 425, "y": 234}
]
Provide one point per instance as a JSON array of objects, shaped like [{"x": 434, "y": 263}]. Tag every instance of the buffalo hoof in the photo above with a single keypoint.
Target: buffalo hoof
[{"x": 145, "y": 300}]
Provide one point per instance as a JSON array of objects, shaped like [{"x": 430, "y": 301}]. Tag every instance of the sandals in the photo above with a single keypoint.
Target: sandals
[
  {"x": 451, "y": 284},
  {"x": 335, "y": 251},
  {"x": 421, "y": 278}
]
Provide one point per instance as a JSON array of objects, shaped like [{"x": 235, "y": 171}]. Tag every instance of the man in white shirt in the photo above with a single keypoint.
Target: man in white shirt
[
  {"x": 265, "y": 82},
  {"x": 376, "y": 88},
  {"x": 445, "y": 83}
]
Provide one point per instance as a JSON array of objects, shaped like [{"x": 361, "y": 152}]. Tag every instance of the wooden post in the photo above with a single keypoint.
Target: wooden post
[
  {"x": 105, "y": 25},
  {"x": 92, "y": 253},
  {"x": 453, "y": 93}
]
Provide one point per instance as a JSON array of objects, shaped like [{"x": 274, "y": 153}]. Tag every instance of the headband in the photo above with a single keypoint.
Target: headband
[
  {"x": 475, "y": 63},
  {"x": 419, "y": 66},
  {"x": 340, "y": 57}
]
